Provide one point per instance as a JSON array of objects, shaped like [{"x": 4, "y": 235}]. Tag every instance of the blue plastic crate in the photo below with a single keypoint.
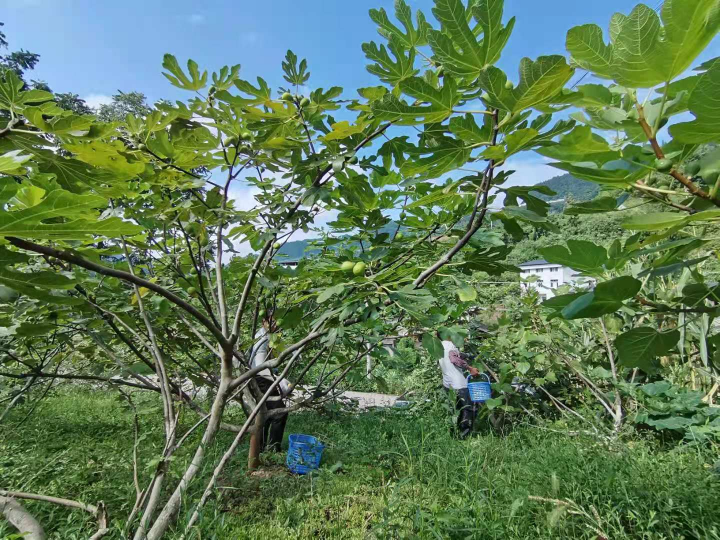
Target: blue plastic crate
[
  {"x": 304, "y": 453},
  {"x": 479, "y": 391}
]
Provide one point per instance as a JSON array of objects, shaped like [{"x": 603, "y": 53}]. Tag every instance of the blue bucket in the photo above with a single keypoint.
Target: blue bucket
[
  {"x": 479, "y": 391},
  {"x": 304, "y": 453}
]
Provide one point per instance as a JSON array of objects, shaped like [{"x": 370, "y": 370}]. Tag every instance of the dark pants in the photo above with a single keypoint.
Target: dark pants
[
  {"x": 275, "y": 426},
  {"x": 467, "y": 412}
]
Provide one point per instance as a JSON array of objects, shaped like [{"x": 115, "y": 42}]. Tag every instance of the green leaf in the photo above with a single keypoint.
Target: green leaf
[
  {"x": 610, "y": 177},
  {"x": 654, "y": 221},
  {"x": 466, "y": 292},
  {"x": 643, "y": 53},
  {"x": 389, "y": 70},
  {"x": 330, "y": 292},
  {"x": 704, "y": 105},
  {"x": 588, "y": 50},
  {"x": 596, "y": 206},
  {"x": 488, "y": 14},
  {"x": 522, "y": 367},
  {"x": 12, "y": 162},
  {"x": 679, "y": 423},
  {"x": 540, "y": 80},
  {"x": 296, "y": 74},
  {"x": 465, "y": 128},
  {"x": 28, "y": 329},
  {"x": 413, "y": 37},
  {"x": 415, "y": 301},
  {"x": 618, "y": 289},
  {"x": 177, "y": 76},
  {"x": 42, "y": 279},
  {"x": 12, "y": 257},
  {"x": 456, "y": 46},
  {"x": 433, "y": 346},
  {"x": 343, "y": 130},
  {"x": 580, "y": 255},
  {"x": 447, "y": 155},
  {"x": 111, "y": 156},
  {"x": 589, "y": 305},
  {"x": 581, "y": 144},
  {"x": 640, "y": 346},
  {"x": 441, "y": 103}
]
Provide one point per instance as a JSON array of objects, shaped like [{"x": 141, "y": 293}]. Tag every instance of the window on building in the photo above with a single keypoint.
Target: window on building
[
  {"x": 554, "y": 269},
  {"x": 543, "y": 297},
  {"x": 553, "y": 283}
]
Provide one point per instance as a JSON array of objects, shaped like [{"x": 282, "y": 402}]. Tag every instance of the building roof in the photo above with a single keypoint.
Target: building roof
[{"x": 536, "y": 262}]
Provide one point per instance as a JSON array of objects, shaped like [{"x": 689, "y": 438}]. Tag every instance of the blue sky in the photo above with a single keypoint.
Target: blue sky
[{"x": 94, "y": 48}]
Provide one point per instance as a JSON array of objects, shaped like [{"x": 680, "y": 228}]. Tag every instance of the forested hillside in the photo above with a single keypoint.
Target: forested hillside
[{"x": 565, "y": 186}]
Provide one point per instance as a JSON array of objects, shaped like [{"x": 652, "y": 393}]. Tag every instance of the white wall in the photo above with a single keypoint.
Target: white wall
[{"x": 549, "y": 277}]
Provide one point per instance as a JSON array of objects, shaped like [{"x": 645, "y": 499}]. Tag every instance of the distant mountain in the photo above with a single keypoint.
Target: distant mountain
[
  {"x": 570, "y": 188},
  {"x": 566, "y": 187}
]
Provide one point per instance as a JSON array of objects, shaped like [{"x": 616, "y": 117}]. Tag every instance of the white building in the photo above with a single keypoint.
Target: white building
[{"x": 550, "y": 276}]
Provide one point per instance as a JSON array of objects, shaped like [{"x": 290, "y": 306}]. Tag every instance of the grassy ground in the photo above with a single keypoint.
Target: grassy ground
[{"x": 386, "y": 474}]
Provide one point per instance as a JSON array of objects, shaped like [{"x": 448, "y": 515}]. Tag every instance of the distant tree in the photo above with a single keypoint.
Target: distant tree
[
  {"x": 73, "y": 102},
  {"x": 124, "y": 103}
]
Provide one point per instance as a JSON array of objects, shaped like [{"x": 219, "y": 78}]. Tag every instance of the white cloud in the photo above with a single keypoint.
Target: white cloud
[
  {"x": 196, "y": 19},
  {"x": 95, "y": 100}
]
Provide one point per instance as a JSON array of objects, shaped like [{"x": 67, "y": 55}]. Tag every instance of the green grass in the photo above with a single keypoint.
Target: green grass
[{"x": 402, "y": 476}]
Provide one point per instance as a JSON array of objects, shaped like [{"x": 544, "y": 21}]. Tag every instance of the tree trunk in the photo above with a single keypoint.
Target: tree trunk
[
  {"x": 169, "y": 511},
  {"x": 256, "y": 441},
  {"x": 21, "y": 519}
]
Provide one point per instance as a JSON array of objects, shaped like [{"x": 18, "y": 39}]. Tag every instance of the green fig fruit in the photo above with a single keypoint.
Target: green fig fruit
[
  {"x": 710, "y": 175},
  {"x": 692, "y": 168},
  {"x": 359, "y": 268},
  {"x": 347, "y": 266},
  {"x": 485, "y": 96},
  {"x": 287, "y": 96},
  {"x": 246, "y": 135},
  {"x": 663, "y": 165},
  {"x": 192, "y": 291},
  {"x": 193, "y": 228},
  {"x": 509, "y": 85},
  {"x": 353, "y": 160},
  {"x": 142, "y": 146},
  {"x": 304, "y": 102},
  {"x": 230, "y": 141},
  {"x": 399, "y": 236},
  {"x": 277, "y": 245}
]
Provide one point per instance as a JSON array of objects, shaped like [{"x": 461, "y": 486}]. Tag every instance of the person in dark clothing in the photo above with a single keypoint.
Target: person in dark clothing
[
  {"x": 274, "y": 427},
  {"x": 452, "y": 365}
]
